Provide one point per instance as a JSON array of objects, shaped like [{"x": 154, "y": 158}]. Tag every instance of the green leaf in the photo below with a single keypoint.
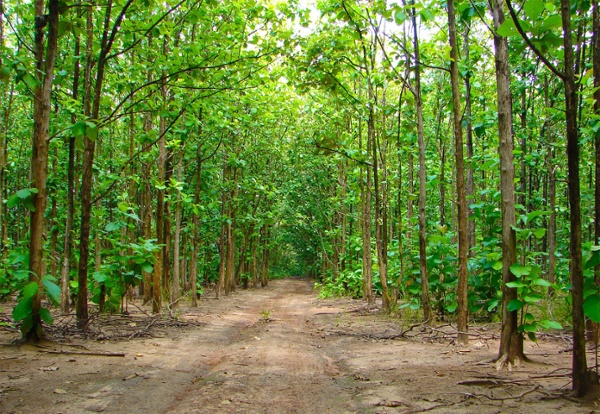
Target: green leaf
[
  {"x": 100, "y": 277},
  {"x": 532, "y": 298},
  {"x": 520, "y": 270},
  {"x": 27, "y": 324},
  {"x": 533, "y": 8},
  {"x": 493, "y": 305},
  {"x": 30, "y": 290},
  {"x": 78, "y": 129},
  {"x": 532, "y": 337},
  {"x": 46, "y": 316},
  {"x": 591, "y": 307},
  {"x": 23, "y": 309},
  {"x": 147, "y": 267},
  {"x": 400, "y": 17},
  {"x": 497, "y": 266},
  {"x": 24, "y": 193},
  {"x": 541, "y": 282},
  {"x": 113, "y": 226},
  {"x": 593, "y": 261},
  {"x": 507, "y": 29},
  {"x": 547, "y": 324},
  {"x": 514, "y": 305},
  {"x": 52, "y": 290},
  {"x": 13, "y": 201},
  {"x": 514, "y": 285},
  {"x": 539, "y": 233},
  {"x": 551, "y": 22},
  {"x": 529, "y": 327}
]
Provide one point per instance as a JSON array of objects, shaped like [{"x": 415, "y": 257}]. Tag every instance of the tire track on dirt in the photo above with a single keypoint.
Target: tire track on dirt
[{"x": 274, "y": 366}]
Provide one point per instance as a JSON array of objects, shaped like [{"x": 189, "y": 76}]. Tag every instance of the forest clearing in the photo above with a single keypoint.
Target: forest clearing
[{"x": 280, "y": 350}]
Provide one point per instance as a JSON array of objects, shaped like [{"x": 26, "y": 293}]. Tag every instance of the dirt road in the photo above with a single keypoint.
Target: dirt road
[{"x": 281, "y": 350}]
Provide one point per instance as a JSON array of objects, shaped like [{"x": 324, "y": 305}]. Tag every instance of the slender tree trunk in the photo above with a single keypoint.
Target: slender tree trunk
[
  {"x": 177, "y": 236},
  {"x": 146, "y": 208},
  {"x": 551, "y": 190},
  {"x": 582, "y": 381},
  {"x": 463, "y": 231},
  {"x": 425, "y": 300},
  {"x": 230, "y": 256},
  {"x": 68, "y": 242},
  {"x": 45, "y": 54},
  {"x": 195, "y": 230},
  {"x": 511, "y": 341},
  {"x": 223, "y": 238},
  {"x": 264, "y": 280},
  {"x": 365, "y": 195},
  {"x": 523, "y": 177},
  {"x": 88, "y": 158},
  {"x": 3, "y": 127},
  {"x": 470, "y": 185}
]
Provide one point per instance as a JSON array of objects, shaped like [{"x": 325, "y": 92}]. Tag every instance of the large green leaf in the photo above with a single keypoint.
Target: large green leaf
[
  {"x": 532, "y": 297},
  {"x": 46, "y": 316},
  {"x": 27, "y": 324},
  {"x": 52, "y": 290},
  {"x": 593, "y": 261},
  {"x": 591, "y": 307},
  {"x": 533, "y": 8},
  {"x": 520, "y": 270},
  {"x": 30, "y": 290},
  {"x": 515, "y": 305},
  {"x": 23, "y": 309},
  {"x": 548, "y": 324}
]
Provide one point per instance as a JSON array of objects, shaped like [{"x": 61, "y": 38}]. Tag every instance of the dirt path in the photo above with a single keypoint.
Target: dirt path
[{"x": 281, "y": 350}]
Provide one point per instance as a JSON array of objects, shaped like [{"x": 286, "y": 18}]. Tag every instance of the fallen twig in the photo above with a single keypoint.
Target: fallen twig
[{"x": 90, "y": 353}]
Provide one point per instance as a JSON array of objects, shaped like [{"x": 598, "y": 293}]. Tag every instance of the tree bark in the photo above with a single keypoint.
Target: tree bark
[
  {"x": 45, "y": 54},
  {"x": 511, "y": 341},
  {"x": 177, "y": 236},
  {"x": 89, "y": 153},
  {"x": 470, "y": 184},
  {"x": 463, "y": 231},
  {"x": 428, "y": 314},
  {"x": 365, "y": 198},
  {"x": 582, "y": 382},
  {"x": 68, "y": 242}
]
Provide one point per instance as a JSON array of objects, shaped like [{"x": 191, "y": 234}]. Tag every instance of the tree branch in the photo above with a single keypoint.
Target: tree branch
[{"x": 529, "y": 43}]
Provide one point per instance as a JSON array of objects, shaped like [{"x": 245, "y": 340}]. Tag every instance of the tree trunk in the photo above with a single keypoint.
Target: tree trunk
[
  {"x": 582, "y": 381},
  {"x": 470, "y": 185},
  {"x": 231, "y": 239},
  {"x": 511, "y": 341},
  {"x": 425, "y": 300},
  {"x": 551, "y": 191},
  {"x": 463, "y": 231},
  {"x": 195, "y": 230},
  {"x": 222, "y": 239},
  {"x": 264, "y": 280},
  {"x": 68, "y": 242},
  {"x": 45, "y": 54},
  {"x": 177, "y": 236},
  {"x": 365, "y": 198},
  {"x": 88, "y": 155}
]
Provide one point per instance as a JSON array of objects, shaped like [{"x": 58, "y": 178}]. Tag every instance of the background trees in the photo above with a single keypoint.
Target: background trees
[{"x": 201, "y": 143}]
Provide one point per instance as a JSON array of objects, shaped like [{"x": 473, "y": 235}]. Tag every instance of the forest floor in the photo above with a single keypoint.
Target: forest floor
[{"x": 277, "y": 350}]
